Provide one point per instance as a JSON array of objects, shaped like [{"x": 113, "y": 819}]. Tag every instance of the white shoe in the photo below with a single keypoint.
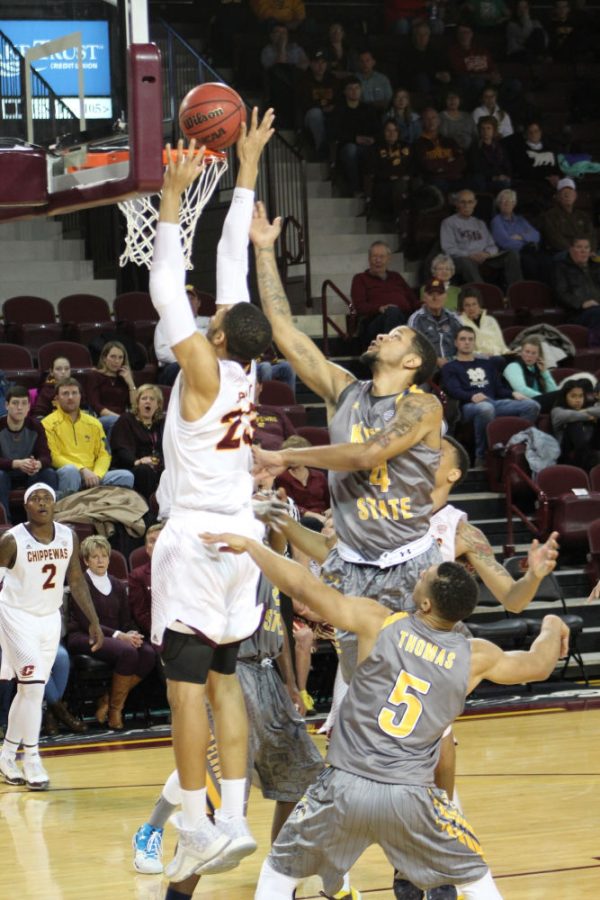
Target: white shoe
[
  {"x": 10, "y": 770},
  {"x": 36, "y": 777},
  {"x": 241, "y": 844},
  {"x": 147, "y": 850},
  {"x": 194, "y": 848}
]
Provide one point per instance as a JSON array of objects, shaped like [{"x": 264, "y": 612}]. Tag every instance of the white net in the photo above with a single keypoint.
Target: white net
[{"x": 141, "y": 215}]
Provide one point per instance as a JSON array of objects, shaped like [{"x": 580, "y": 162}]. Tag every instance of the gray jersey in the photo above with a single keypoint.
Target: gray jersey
[
  {"x": 389, "y": 506},
  {"x": 401, "y": 700},
  {"x": 267, "y": 640}
]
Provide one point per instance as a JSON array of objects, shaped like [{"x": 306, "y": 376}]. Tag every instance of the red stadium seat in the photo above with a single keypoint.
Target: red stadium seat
[
  {"x": 137, "y": 558},
  {"x": 578, "y": 334},
  {"x": 117, "y": 565},
  {"x": 499, "y": 431},
  {"x": 535, "y": 299}
]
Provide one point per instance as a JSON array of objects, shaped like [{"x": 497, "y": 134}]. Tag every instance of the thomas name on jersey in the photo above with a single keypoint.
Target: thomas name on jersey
[{"x": 418, "y": 646}]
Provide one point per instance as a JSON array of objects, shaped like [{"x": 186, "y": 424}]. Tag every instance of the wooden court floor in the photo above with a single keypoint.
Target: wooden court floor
[{"x": 529, "y": 784}]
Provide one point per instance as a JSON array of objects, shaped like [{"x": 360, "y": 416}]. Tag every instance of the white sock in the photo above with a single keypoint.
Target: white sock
[
  {"x": 346, "y": 884},
  {"x": 172, "y": 789},
  {"x": 233, "y": 793},
  {"x": 9, "y": 750},
  {"x": 456, "y": 799},
  {"x": 193, "y": 808},
  {"x": 273, "y": 885},
  {"x": 484, "y": 889},
  {"x": 340, "y": 689},
  {"x": 25, "y": 715},
  {"x": 30, "y": 750}
]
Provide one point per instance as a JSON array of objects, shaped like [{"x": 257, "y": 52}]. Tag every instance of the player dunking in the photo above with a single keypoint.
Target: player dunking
[
  {"x": 39, "y": 556},
  {"x": 385, "y": 448},
  {"x": 415, "y": 673},
  {"x": 202, "y": 609}
]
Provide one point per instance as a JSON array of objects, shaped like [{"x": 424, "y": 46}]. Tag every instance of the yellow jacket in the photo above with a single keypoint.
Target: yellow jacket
[{"x": 81, "y": 443}]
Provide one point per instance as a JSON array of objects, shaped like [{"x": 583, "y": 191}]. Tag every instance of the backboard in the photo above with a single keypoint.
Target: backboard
[{"x": 80, "y": 84}]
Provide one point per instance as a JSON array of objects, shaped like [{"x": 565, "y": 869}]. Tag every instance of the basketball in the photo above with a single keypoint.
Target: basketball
[{"x": 212, "y": 113}]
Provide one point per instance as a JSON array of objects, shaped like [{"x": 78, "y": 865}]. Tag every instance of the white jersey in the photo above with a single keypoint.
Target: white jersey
[
  {"x": 36, "y": 581},
  {"x": 208, "y": 462},
  {"x": 443, "y": 529}
]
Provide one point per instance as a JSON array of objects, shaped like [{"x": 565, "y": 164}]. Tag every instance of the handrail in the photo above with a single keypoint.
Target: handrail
[
  {"x": 512, "y": 469},
  {"x": 287, "y": 257},
  {"x": 327, "y": 320}
]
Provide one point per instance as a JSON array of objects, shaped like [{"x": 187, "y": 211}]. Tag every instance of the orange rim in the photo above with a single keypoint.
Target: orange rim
[{"x": 208, "y": 154}]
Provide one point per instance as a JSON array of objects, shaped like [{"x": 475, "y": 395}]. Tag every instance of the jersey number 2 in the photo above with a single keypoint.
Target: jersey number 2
[
  {"x": 413, "y": 707},
  {"x": 49, "y": 582}
]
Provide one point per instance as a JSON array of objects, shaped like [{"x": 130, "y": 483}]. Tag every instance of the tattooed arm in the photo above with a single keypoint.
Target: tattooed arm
[
  {"x": 418, "y": 418},
  {"x": 514, "y": 595},
  {"x": 323, "y": 377}
]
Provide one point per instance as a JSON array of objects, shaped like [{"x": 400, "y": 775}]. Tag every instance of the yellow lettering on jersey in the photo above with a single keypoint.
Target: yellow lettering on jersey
[
  {"x": 440, "y": 658},
  {"x": 379, "y": 477},
  {"x": 450, "y": 660},
  {"x": 372, "y": 506},
  {"x": 411, "y": 642},
  {"x": 394, "y": 508},
  {"x": 403, "y": 636},
  {"x": 363, "y": 512},
  {"x": 405, "y": 507},
  {"x": 430, "y": 652},
  {"x": 400, "y": 696},
  {"x": 419, "y": 647},
  {"x": 272, "y": 621}
]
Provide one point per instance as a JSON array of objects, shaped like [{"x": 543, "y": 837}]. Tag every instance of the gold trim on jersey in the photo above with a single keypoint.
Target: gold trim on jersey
[{"x": 449, "y": 818}]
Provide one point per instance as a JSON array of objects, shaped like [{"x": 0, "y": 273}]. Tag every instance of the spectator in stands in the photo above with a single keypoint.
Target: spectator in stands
[
  {"x": 376, "y": 89},
  {"x": 282, "y": 61},
  {"x": 56, "y": 710},
  {"x": 404, "y": 118},
  {"x": 400, "y": 15},
  {"x": 488, "y": 162},
  {"x": 528, "y": 375},
  {"x": 439, "y": 160},
  {"x": 513, "y": 232},
  {"x": 526, "y": 39},
  {"x": 124, "y": 647},
  {"x": 343, "y": 60},
  {"x": 577, "y": 284},
  {"x": 563, "y": 222},
  {"x": 423, "y": 64},
  {"x": 387, "y": 178},
  {"x": 439, "y": 325},
  {"x": 269, "y": 367},
  {"x": 476, "y": 383},
  {"x": 290, "y": 13},
  {"x": 566, "y": 38},
  {"x": 381, "y": 298},
  {"x": 44, "y": 401},
  {"x": 168, "y": 367},
  {"x": 136, "y": 440},
  {"x": 317, "y": 91},
  {"x": 457, "y": 124},
  {"x": 355, "y": 126},
  {"x": 489, "y": 340},
  {"x": 471, "y": 65},
  {"x": 272, "y": 426},
  {"x": 532, "y": 157},
  {"x": 24, "y": 454},
  {"x": 111, "y": 388},
  {"x": 470, "y": 244},
  {"x": 139, "y": 581},
  {"x": 306, "y": 486},
  {"x": 443, "y": 269},
  {"x": 576, "y": 424},
  {"x": 78, "y": 445},
  {"x": 486, "y": 14},
  {"x": 489, "y": 107}
]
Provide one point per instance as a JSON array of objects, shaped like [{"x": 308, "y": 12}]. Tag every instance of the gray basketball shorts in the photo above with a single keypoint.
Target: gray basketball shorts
[
  {"x": 423, "y": 835},
  {"x": 393, "y": 587},
  {"x": 280, "y": 750}
]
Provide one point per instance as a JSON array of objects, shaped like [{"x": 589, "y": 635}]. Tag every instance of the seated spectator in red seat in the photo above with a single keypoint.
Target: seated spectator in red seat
[
  {"x": 472, "y": 66},
  {"x": 44, "y": 401},
  {"x": 439, "y": 160},
  {"x": 272, "y": 426},
  {"x": 387, "y": 178},
  {"x": 563, "y": 221},
  {"x": 514, "y": 232},
  {"x": 468, "y": 241},
  {"x": 577, "y": 285},
  {"x": 381, "y": 297},
  {"x": 140, "y": 585},
  {"x": 526, "y": 39},
  {"x": 354, "y": 126},
  {"x": 124, "y": 647},
  {"x": 488, "y": 334},
  {"x": 457, "y": 124},
  {"x": 406, "y": 120},
  {"x": 533, "y": 157},
  {"x": 111, "y": 388},
  {"x": 424, "y": 64},
  {"x": 317, "y": 93},
  {"x": 442, "y": 269},
  {"x": 488, "y": 161},
  {"x": 307, "y": 487},
  {"x": 136, "y": 440},
  {"x": 376, "y": 88},
  {"x": 342, "y": 58},
  {"x": 438, "y": 324},
  {"x": 528, "y": 375},
  {"x": 489, "y": 107},
  {"x": 576, "y": 424},
  {"x": 24, "y": 454},
  {"x": 269, "y": 367}
]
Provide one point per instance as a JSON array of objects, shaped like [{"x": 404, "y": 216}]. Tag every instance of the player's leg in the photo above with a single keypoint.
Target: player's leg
[{"x": 147, "y": 841}]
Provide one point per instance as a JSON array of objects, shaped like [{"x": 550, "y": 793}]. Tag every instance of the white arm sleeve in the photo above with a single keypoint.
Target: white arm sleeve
[
  {"x": 167, "y": 285},
  {"x": 232, "y": 252}
]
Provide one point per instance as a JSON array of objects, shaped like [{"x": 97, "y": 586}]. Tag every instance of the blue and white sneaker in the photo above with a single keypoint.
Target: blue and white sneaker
[{"x": 147, "y": 850}]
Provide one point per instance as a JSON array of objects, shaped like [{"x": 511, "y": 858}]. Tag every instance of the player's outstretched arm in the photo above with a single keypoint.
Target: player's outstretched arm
[
  {"x": 325, "y": 378},
  {"x": 520, "y": 666},
  {"x": 8, "y": 551},
  {"x": 81, "y": 595},
  {"x": 357, "y": 614},
  {"x": 513, "y": 595},
  {"x": 418, "y": 417},
  {"x": 595, "y": 594}
]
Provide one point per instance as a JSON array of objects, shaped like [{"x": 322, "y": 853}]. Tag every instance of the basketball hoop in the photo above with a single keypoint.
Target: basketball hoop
[{"x": 141, "y": 213}]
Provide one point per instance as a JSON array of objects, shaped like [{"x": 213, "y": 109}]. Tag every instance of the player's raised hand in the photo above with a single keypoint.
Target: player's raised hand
[
  {"x": 541, "y": 559},
  {"x": 182, "y": 168},
  {"x": 264, "y": 233},
  {"x": 254, "y": 138},
  {"x": 269, "y": 461},
  {"x": 269, "y": 510},
  {"x": 231, "y": 543},
  {"x": 96, "y": 636},
  {"x": 595, "y": 594}
]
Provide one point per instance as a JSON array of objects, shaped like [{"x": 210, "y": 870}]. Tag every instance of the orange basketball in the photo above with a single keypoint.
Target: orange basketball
[{"x": 212, "y": 113}]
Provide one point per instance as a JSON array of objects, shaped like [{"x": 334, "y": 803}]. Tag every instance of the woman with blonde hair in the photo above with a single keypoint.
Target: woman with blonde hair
[
  {"x": 124, "y": 648},
  {"x": 110, "y": 386},
  {"x": 528, "y": 375},
  {"x": 442, "y": 267},
  {"x": 136, "y": 439}
]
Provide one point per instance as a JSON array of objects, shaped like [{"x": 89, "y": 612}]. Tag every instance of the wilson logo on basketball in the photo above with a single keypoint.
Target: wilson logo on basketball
[
  {"x": 199, "y": 118},
  {"x": 27, "y": 671}
]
